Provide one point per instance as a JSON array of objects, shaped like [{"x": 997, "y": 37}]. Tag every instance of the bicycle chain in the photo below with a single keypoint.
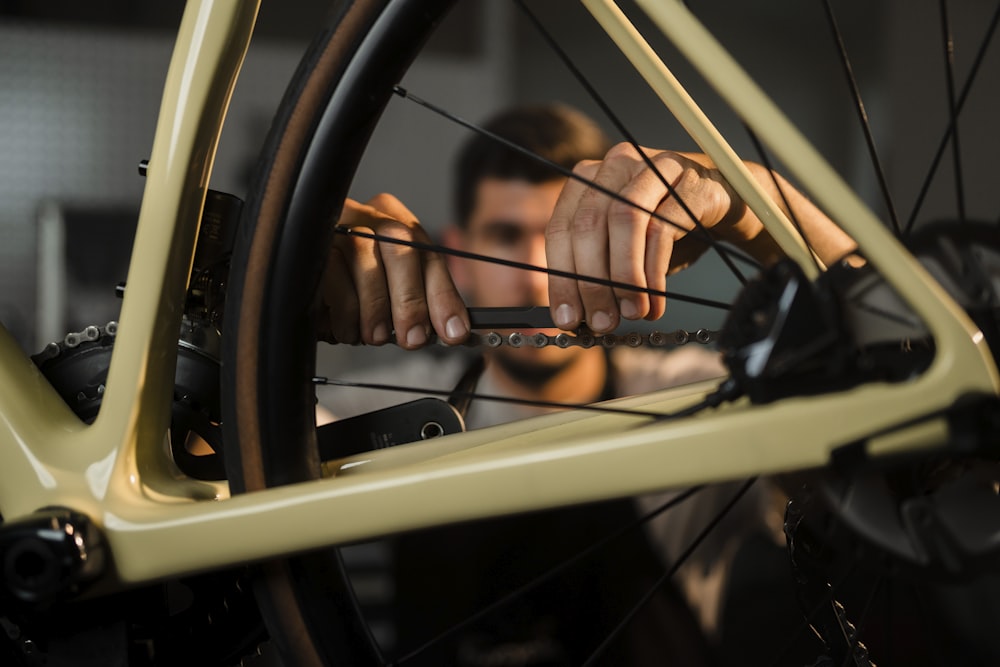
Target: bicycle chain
[
  {"x": 587, "y": 339},
  {"x": 494, "y": 339}
]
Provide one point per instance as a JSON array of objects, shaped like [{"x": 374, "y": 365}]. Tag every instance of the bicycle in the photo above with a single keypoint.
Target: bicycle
[{"x": 119, "y": 499}]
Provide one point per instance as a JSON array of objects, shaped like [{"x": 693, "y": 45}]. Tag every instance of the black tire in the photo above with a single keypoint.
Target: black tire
[{"x": 334, "y": 99}]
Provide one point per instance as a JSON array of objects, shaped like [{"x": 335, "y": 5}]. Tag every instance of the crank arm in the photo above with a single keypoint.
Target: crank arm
[{"x": 422, "y": 419}]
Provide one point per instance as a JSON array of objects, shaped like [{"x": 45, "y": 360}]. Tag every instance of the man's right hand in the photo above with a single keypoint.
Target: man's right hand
[{"x": 371, "y": 288}]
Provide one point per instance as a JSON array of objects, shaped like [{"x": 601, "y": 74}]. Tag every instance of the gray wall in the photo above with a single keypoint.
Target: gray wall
[{"x": 78, "y": 109}]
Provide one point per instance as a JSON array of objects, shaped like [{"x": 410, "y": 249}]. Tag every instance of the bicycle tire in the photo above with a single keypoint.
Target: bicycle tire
[{"x": 285, "y": 226}]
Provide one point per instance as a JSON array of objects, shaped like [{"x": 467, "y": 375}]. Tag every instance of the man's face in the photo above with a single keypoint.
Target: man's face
[{"x": 508, "y": 221}]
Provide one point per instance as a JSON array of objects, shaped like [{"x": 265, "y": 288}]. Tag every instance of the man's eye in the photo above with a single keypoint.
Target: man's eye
[{"x": 503, "y": 234}]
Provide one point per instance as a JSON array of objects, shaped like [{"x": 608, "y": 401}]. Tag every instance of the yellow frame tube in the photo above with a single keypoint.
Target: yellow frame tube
[{"x": 47, "y": 455}]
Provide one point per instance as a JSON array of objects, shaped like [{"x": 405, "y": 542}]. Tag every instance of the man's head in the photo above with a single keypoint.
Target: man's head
[
  {"x": 555, "y": 132},
  {"x": 503, "y": 200}
]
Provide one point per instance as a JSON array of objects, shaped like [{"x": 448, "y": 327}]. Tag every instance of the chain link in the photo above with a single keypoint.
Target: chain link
[{"x": 587, "y": 339}]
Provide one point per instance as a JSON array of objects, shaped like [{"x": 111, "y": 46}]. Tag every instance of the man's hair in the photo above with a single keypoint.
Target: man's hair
[{"x": 556, "y": 132}]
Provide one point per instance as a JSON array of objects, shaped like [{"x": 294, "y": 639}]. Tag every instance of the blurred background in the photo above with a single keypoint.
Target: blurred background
[{"x": 80, "y": 86}]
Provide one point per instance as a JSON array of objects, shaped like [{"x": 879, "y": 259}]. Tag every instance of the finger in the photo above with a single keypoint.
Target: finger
[
  {"x": 590, "y": 253},
  {"x": 636, "y": 238},
  {"x": 447, "y": 311},
  {"x": 392, "y": 207},
  {"x": 405, "y": 281},
  {"x": 659, "y": 249},
  {"x": 368, "y": 274},
  {"x": 608, "y": 232},
  {"x": 340, "y": 299},
  {"x": 564, "y": 297}
]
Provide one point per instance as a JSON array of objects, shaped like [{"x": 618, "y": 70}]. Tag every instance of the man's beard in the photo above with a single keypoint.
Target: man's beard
[{"x": 531, "y": 372}]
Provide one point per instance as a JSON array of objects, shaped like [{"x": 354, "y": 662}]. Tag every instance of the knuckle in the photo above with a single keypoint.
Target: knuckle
[
  {"x": 666, "y": 160},
  {"x": 360, "y": 244},
  {"x": 623, "y": 214},
  {"x": 397, "y": 238},
  {"x": 589, "y": 290},
  {"x": 409, "y": 306},
  {"x": 586, "y": 168},
  {"x": 559, "y": 227},
  {"x": 587, "y": 220},
  {"x": 628, "y": 272},
  {"x": 690, "y": 176},
  {"x": 622, "y": 150},
  {"x": 395, "y": 229},
  {"x": 383, "y": 200},
  {"x": 378, "y": 306}
]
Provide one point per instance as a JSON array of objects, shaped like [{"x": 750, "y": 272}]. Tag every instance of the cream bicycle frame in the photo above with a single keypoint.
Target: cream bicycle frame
[{"x": 158, "y": 523}]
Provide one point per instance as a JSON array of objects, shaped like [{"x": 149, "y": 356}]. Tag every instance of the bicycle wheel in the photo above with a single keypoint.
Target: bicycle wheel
[{"x": 343, "y": 84}]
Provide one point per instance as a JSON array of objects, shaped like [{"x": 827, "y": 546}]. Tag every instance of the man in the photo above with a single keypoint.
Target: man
[{"x": 503, "y": 202}]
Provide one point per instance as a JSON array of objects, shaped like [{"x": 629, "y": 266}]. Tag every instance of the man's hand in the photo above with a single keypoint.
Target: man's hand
[
  {"x": 592, "y": 234},
  {"x": 372, "y": 288}
]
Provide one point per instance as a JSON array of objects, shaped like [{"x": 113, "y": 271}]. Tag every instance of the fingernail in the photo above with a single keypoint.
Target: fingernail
[
  {"x": 600, "y": 321},
  {"x": 455, "y": 327},
  {"x": 629, "y": 311},
  {"x": 380, "y": 334},
  {"x": 564, "y": 316},
  {"x": 416, "y": 336}
]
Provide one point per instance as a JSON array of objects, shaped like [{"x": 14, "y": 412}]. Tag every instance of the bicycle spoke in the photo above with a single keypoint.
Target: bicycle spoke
[
  {"x": 723, "y": 253},
  {"x": 712, "y": 401},
  {"x": 950, "y": 130},
  {"x": 432, "y": 247},
  {"x": 863, "y": 117},
  {"x": 949, "y": 71},
  {"x": 485, "y": 397},
  {"x": 551, "y": 573},
  {"x": 603, "y": 646},
  {"x": 568, "y": 173},
  {"x": 810, "y": 617}
]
